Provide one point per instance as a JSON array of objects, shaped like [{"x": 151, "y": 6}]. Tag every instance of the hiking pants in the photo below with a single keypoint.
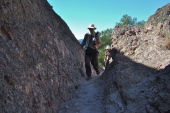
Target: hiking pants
[
  {"x": 93, "y": 59},
  {"x": 106, "y": 64}
]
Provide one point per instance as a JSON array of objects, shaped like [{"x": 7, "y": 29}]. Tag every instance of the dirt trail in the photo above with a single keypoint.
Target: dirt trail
[{"x": 86, "y": 99}]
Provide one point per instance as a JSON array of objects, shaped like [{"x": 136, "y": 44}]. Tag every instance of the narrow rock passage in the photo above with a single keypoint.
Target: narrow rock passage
[{"x": 86, "y": 99}]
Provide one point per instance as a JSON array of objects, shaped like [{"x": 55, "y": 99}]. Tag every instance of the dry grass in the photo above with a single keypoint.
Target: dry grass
[{"x": 167, "y": 43}]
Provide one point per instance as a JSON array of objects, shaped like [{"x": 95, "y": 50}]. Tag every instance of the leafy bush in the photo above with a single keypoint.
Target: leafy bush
[
  {"x": 101, "y": 61},
  {"x": 129, "y": 21}
]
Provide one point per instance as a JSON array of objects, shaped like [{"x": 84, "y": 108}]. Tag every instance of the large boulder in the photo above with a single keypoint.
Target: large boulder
[{"x": 40, "y": 59}]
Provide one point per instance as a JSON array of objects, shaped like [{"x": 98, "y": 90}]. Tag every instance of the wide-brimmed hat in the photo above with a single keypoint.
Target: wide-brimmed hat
[
  {"x": 91, "y": 26},
  {"x": 108, "y": 47}
]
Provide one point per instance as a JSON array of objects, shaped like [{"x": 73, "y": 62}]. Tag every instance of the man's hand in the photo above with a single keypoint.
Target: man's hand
[
  {"x": 80, "y": 48},
  {"x": 97, "y": 45}
]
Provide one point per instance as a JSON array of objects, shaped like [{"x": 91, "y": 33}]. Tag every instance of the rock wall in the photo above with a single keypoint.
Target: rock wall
[
  {"x": 160, "y": 22},
  {"x": 40, "y": 60},
  {"x": 137, "y": 81},
  {"x": 148, "y": 45}
]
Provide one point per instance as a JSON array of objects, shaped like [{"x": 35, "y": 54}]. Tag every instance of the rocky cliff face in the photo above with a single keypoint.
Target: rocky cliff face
[
  {"x": 39, "y": 62},
  {"x": 148, "y": 45},
  {"x": 137, "y": 81}
]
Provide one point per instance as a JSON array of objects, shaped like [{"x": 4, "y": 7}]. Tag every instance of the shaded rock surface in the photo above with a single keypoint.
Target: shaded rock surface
[
  {"x": 131, "y": 87},
  {"x": 40, "y": 64},
  {"x": 138, "y": 79}
]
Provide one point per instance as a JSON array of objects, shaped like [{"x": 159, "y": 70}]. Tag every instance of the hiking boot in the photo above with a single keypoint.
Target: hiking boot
[
  {"x": 88, "y": 78},
  {"x": 97, "y": 72}
]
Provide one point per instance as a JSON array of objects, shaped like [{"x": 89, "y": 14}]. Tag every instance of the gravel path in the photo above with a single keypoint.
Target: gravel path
[{"x": 86, "y": 99}]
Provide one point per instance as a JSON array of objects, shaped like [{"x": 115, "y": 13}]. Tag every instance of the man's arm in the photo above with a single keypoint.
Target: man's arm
[
  {"x": 84, "y": 41},
  {"x": 98, "y": 40}
]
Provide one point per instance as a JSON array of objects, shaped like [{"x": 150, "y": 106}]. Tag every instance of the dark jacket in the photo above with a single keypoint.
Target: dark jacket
[{"x": 90, "y": 40}]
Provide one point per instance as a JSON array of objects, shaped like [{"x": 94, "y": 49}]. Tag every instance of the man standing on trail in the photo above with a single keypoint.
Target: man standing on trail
[
  {"x": 110, "y": 53},
  {"x": 90, "y": 44}
]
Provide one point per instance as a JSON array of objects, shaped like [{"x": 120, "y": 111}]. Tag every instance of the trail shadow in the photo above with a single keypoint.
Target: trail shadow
[{"x": 129, "y": 86}]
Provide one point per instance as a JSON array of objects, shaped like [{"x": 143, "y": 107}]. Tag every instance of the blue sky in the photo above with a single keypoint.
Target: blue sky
[{"x": 78, "y": 14}]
